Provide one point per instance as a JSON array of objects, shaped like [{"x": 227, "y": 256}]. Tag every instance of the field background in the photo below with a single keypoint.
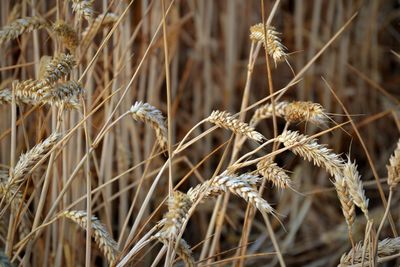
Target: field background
[{"x": 208, "y": 50}]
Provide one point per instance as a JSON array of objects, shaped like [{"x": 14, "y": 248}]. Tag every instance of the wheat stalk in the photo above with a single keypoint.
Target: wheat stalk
[
  {"x": 225, "y": 120},
  {"x": 102, "y": 238},
  {"x": 394, "y": 167},
  {"x": 386, "y": 247},
  {"x": 355, "y": 186},
  {"x": 273, "y": 43},
  {"x": 29, "y": 159},
  {"x": 309, "y": 149},
  {"x": 273, "y": 173},
  {"x": 21, "y": 26},
  {"x": 66, "y": 34},
  {"x": 147, "y": 113}
]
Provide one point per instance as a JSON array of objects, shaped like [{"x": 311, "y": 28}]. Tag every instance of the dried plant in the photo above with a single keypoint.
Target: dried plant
[
  {"x": 225, "y": 120},
  {"x": 67, "y": 35},
  {"x": 273, "y": 173},
  {"x": 310, "y": 150},
  {"x": 147, "y": 113},
  {"x": 21, "y": 26},
  {"x": 101, "y": 21},
  {"x": 183, "y": 249},
  {"x": 300, "y": 111},
  {"x": 266, "y": 111},
  {"x": 44, "y": 62},
  {"x": 29, "y": 159},
  {"x": 355, "y": 186},
  {"x": 66, "y": 94},
  {"x": 346, "y": 202},
  {"x": 386, "y": 247},
  {"x": 273, "y": 43},
  {"x": 101, "y": 236},
  {"x": 394, "y": 167},
  {"x": 6, "y": 98},
  {"x": 34, "y": 90},
  {"x": 59, "y": 67}
]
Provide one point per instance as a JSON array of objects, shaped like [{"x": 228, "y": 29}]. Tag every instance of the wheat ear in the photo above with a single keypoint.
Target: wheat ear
[
  {"x": 273, "y": 173},
  {"x": 6, "y": 98},
  {"x": 266, "y": 111},
  {"x": 59, "y": 67},
  {"x": 183, "y": 249},
  {"x": 101, "y": 21},
  {"x": 102, "y": 238},
  {"x": 29, "y": 159},
  {"x": 300, "y": 111},
  {"x": 34, "y": 90},
  {"x": 225, "y": 120},
  {"x": 66, "y": 34},
  {"x": 355, "y": 186},
  {"x": 394, "y": 167},
  {"x": 309, "y": 149},
  {"x": 83, "y": 8},
  {"x": 386, "y": 247},
  {"x": 147, "y": 113},
  {"x": 66, "y": 94},
  {"x": 274, "y": 46},
  {"x": 347, "y": 205},
  {"x": 21, "y": 26}
]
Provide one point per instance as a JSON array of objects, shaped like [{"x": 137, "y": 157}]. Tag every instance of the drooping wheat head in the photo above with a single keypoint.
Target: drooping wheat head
[
  {"x": 347, "y": 205},
  {"x": 66, "y": 34},
  {"x": 266, "y": 111},
  {"x": 83, "y": 8},
  {"x": 273, "y": 173},
  {"x": 59, "y": 67},
  {"x": 21, "y": 26},
  {"x": 66, "y": 94},
  {"x": 304, "y": 111}
]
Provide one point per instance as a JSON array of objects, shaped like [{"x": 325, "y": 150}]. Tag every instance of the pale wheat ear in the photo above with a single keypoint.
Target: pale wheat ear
[
  {"x": 67, "y": 35},
  {"x": 101, "y": 21},
  {"x": 21, "y": 26},
  {"x": 393, "y": 168},
  {"x": 103, "y": 239},
  {"x": 309, "y": 149},
  {"x": 273, "y": 173},
  {"x": 58, "y": 67},
  {"x": 274, "y": 46},
  {"x": 83, "y": 9},
  {"x": 147, "y": 113},
  {"x": 386, "y": 247},
  {"x": 225, "y": 120},
  {"x": 29, "y": 159},
  {"x": 266, "y": 111}
]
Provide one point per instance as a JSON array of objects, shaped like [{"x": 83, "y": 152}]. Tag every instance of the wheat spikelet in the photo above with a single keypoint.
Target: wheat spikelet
[
  {"x": 300, "y": 111},
  {"x": 386, "y": 247},
  {"x": 266, "y": 111},
  {"x": 346, "y": 202},
  {"x": 183, "y": 249},
  {"x": 59, "y": 67},
  {"x": 224, "y": 119},
  {"x": 147, "y": 113},
  {"x": 101, "y": 21},
  {"x": 310, "y": 150},
  {"x": 83, "y": 8},
  {"x": 66, "y": 34},
  {"x": 273, "y": 43},
  {"x": 29, "y": 159},
  {"x": 355, "y": 186},
  {"x": 394, "y": 167},
  {"x": 178, "y": 208},
  {"x": 273, "y": 173},
  {"x": 33, "y": 90},
  {"x": 102, "y": 238},
  {"x": 20, "y": 26},
  {"x": 66, "y": 94}
]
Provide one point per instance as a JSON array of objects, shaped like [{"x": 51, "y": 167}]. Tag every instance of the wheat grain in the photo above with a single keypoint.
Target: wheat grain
[
  {"x": 29, "y": 159},
  {"x": 394, "y": 167},
  {"x": 355, "y": 186},
  {"x": 273, "y": 173},
  {"x": 66, "y": 34},
  {"x": 147, "y": 113},
  {"x": 60, "y": 66},
  {"x": 102, "y": 238},
  {"x": 21, "y": 26},
  {"x": 226, "y": 120},
  {"x": 386, "y": 247},
  {"x": 83, "y": 8},
  {"x": 310, "y": 150},
  {"x": 273, "y": 43}
]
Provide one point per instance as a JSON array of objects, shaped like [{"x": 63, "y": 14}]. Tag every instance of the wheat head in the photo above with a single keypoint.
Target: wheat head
[{"x": 394, "y": 167}]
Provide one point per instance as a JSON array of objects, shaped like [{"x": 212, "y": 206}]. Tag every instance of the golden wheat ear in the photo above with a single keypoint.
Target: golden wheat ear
[
  {"x": 347, "y": 205},
  {"x": 273, "y": 173},
  {"x": 21, "y": 26},
  {"x": 148, "y": 114},
  {"x": 225, "y": 120},
  {"x": 66, "y": 34},
  {"x": 274, "y": 47},
  {"x": 267, "y": 111},
  {"x": 103, "y": 239},
  {"x": 394, "y": 167}
]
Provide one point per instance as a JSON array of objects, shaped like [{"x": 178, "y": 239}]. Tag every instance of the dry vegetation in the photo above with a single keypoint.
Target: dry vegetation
[{"x": 199, "y": 133}]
